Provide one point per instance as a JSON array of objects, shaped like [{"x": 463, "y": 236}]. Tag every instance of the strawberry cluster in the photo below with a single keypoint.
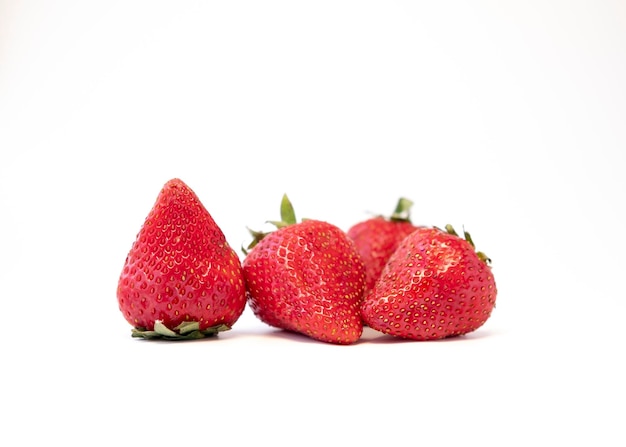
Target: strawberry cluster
[{"x": 182, "y": 280}]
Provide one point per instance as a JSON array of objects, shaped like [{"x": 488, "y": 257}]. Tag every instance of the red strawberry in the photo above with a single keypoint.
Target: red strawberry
[
  {"x": 378, "y": 237},
  {"x": 306, "y": 277},
  {"x": 435, "y": 285},
  {"x": 181, "y": 279}
]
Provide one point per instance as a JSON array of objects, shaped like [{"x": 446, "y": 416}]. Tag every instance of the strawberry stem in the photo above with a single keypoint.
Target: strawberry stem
[
  {"x": 287, "y": 216},
  {"x": 450, "y": 229},
  {"x": 402, "y": 213},
  {"x": 482, "y": 256},
  {"x": 287, "y": 213},
  {"x": 187, "y": 330}
]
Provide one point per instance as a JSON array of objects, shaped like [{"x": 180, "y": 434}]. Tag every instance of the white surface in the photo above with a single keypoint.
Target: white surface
[{"x": 507, "y": 118}]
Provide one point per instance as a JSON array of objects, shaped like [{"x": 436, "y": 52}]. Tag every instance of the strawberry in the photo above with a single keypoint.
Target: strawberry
[
  {"x": 181, "y": 280},
  {"x": 435, "y": 285},
  {"x": 378, "y": 237},
  {"x": 306, "y": 277}
]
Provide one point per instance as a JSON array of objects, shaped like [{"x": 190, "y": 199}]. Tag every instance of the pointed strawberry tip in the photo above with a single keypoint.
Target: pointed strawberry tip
[{"x": 175, "y": 183}]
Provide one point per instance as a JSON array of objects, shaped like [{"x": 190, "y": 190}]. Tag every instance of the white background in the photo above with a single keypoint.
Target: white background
[{"x": 505, "y": 117}]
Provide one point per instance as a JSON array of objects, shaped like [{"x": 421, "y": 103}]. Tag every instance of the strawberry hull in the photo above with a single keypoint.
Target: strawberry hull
[{"x": 307, "y": 278}]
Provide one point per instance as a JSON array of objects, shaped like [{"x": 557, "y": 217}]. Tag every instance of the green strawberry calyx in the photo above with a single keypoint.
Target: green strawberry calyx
[
  {"x": 482, "y": 256},
  {"x": 402, "y": 213},
  {"x": 287, "y": 217},
  {"x": 187, "y": 330}
]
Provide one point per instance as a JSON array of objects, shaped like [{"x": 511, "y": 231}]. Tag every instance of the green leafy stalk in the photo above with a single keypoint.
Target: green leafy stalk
[
  {"x": 287, "y": 216},
  {"x": 287, "y": 213},
  {"x": 482, "y": 256},
  {"x": 187, "y": 330},
  {"x": 402, "y": 213}
]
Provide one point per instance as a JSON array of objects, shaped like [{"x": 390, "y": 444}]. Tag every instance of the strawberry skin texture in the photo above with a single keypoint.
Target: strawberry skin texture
[
  {"x": 180, "y": 267},
  {"x": 434, "y": 286},
  {"x": 307, "y": 278},
  {"x": 376, "y": 239}
]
